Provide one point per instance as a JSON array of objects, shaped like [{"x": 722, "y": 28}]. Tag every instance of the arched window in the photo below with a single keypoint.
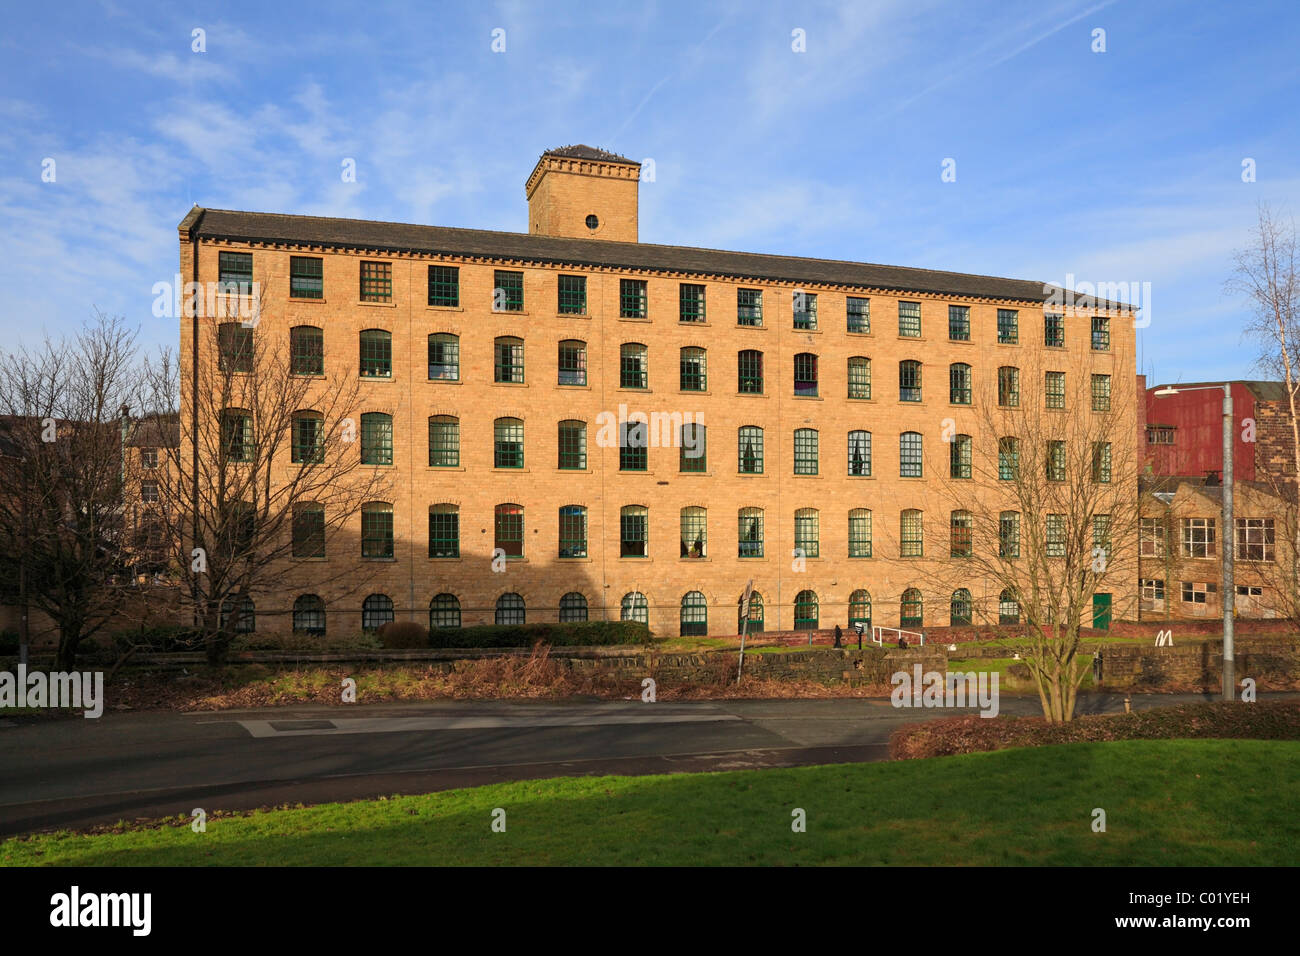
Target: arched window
[
  {"x": 237, "y": 434},
  {"x": 509, "y": 363},
  {"x": 508, "y": 443},
  {"x": 910, "y": 455},
  {"x": 860, "y": 608},
  {"x": 444, "y": 611},
  {"x": 509, "y": 530},
  {"x": 749, "y": 372},
  {"x": 750, "y": 533},
  {"x": 376, "y": 438},
  {"x": 695, "y": 615},
  {"x": 573, "y": 531},
  {"x": 694, "y": 370},
  {"x": 510, "y": 609},
  {"x": 376, "y": 611},
  {"x": 807, "y": 538},
  {"x": 805, "y": 451},
  {"x": 805, "y": 374},
  {"x": 910, "y": 611},
  {"x": 1008, "y": 608},
  {"x": 376, "y": 354},
  {"x": 693, "y": 456},
  {"x": 910, "y": 535},
  {"x": 234, "y": 347},
  {"x": 377, "y": 530},
  {"x": 959, "y": 383},
  {"x": 1008, "y": 458},
  {"x": 1009, "y": 386},
  {"x": 573, "y": 607},
  {"x": 749, "y": 449},
  {"x": 308, "y": 438},
  {"x": 238, "y": 616},
  {"x": 860, "y": 533},
  {"x": 860, "y": 453},
  {"x": 909, "y": 381},
  {"x": 634, "y": 531},
  {"x": 960, "y": 613},
  {"x": 959, "y": 457},
  {"x": 755, "y": 614},
  {"x": 444, "y": 531},
  {"x": 309, "y": 615},
  {"x": 695, "y": 532},
  {"x": 963, "y": 534},
  {"x": 572, "y": 445},
  {"x": 633, "y": 366},
  {"x": 634, "y": 608},
  {"x": 1009, "y": 534},
  {"x": 444, "y": 441},
  {"x": 805, "y": 611},
  {"x": 306, "y": 350},
  {"x": 444, "y": 357},
  {"x": 859, "y": 377},
  {"x": 573, "y": 362}
]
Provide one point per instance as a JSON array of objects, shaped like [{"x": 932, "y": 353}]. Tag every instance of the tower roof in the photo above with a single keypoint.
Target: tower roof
[{"x": 582, "y": 151}]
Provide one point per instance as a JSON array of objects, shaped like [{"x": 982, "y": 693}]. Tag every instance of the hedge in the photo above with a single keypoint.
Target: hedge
[{"x": 582, "y": 633}]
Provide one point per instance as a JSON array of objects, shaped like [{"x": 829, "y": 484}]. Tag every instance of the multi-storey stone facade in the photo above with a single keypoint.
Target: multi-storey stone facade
[{"x": 507, "y": 363}]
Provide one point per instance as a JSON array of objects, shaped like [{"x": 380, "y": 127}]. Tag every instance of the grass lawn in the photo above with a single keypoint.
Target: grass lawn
[{"x": 1168, "y": 802}]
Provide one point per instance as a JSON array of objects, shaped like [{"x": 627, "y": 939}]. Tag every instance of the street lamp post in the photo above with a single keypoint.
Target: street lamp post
[{"x": 1228, "y": 535}]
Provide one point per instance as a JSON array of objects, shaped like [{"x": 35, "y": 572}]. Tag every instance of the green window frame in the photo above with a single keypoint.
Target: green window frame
[
  {"x": 1008, "y": 458},
  {"x": 911, "y": 540},
  {"x": 1054, "y": 389},
  {"x": 749, "y": 372},
  {"x": 860, "y": 608},
  {"x": 633, "y": 366},
  {"x": 749, "y": 450},
  {"x": 1009, "y": 386},
  {"x": 859, "y": 448},
  {"x": 909, "y": 320},
  {"x": 857, "y": 312},
  {"x": 1054, "y": 546},
  {"x": 376, "y": 611},
  {"x": 959, "y": 323},
  {"x": 1009, "y": 534},
  {"x": 694, "y": 523},
  {"x": 860, "y": 533},
  {"x": 694, "y": 615},
  {"x": 633, "y": 446},
  {"x": 1008, "y": 607},
  {"x": 510, "y": 610},
  {"x": 805, "y": 451},
  {"x": 632, "y": 298},
  {"x": 444, "y": 611},
  {"x": 805, "y": 374},
  {"x": 1008, "y": 327},
  {"x": 694, "y": 369},
  {"x": 749, "y": 307},
  {"x": 444, "y": 441},
  {"x": 911, "y": 455},
  {"x": 572, "y": 362},
  {"x": 573, "y": 608},
  {"x": 444, "y": 286},
  {"x": 508, "y": 530},
  {"x": 961, "y": 525},
  {"x": 309, "y": 530},
  {"x": 376, "y": 438},
  {"x": 376, "y": 353},
  {"x": 1101, "y": 533},
  {"x": 307, "y": 350},
  {"x": 859, "y": 375},
  {"x": 804, "y": 307},
  {"x": 806, "y": 611},
  {"x": 1101, "y": 460},
  {"x": 307, "y": 439},
  {"x": 755, "y": 624},
  {"x": 235, "y": 273},
  {"x": 444, "y": 531},
  {"x": 1054, "y": 330},
  {"x": 377, "y": 530},
  {"x": 507, "y": 291},
  {"x": 237, "y": 435},
  {"x": 634, "y": 607},
  {"x": 1055, "y": 460},
  {"x": 376, "y": 281},
  {"x": 1101, "y": 393},
  {"x": 309, "y": 615},
  {"x": 959, "y": 389},
  {"x": 691, "y": 303},
  {"x": 508, "y": 443},
  {"x": 234, "y": 347},
  {"x": 1100, "y": 333},
  {"x": 508, "y": 367},
  {"x": 306, "y": 277},
  {"x": 444, "y": 357},
  {"x": 693, "y": 449},
  {"x": 749, "y": 533},
  {"x": 959, "y": 457},
  {"x": 807, "y": 532},
  {"x": 911, "y": 609},
  {"x": 573, "y": 531},
  {"x": 909, "y": 380},
  {"x": 572, "y": 445},
  {"x": 571, "y": 292},
  {"x": 633, "y": 531}
]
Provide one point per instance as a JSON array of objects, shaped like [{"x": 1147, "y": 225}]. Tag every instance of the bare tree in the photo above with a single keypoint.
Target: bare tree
[
  {"x": 267, "y": 466},
  {"x": 62, "y": 472},
  {"x": 1037, "y": 501}
]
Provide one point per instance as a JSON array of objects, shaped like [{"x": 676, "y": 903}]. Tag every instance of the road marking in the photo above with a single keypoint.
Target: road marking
[{"x": 381, "y": 725}]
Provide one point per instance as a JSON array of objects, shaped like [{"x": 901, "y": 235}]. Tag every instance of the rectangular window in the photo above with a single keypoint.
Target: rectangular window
[
  {"x": 307, "y": 435},
  {"x": 444, "y": 534},
  {"x": 805, "y": 374},
  {"x": 508, "y": 443},
  {"x": 805, "y": 310},
  {"x": 1009, "y": 387},
  {"x": 572, "y": 292},
  {"x": 444, "y": 442},
  {"x": 749, "y": 448},
  {"x": 750, "y": 533},
  {"x": 1054, "y": 389},
  {"x": 909, "y": 319},
  {"x": 1160, "y": 434},
  {"x": 235, "y": 272},
  {"x": 444, "y": 358},
  {"x": 307, "y": 350},
  {"x": 859, "y": 314},
  {"x": 309, "y": 531},
  {"x": 376, "y": 439},
  {"x": 1198, "y": 537},
  {"x": 909, "y": 381},
  {"x": 694, "y": 533},
  {"x": 633, "y": 454},
  {"x": 959, "y": 323},
  {"x": 235, "y": 347},
  {"x": 805, "y": 451},
  {"x": 1153, "y": 590},
  {"x": 860, "y": 534},
  {"x": 962, "y": 528},
  {"x": 1101, "y": 461},
  {"x": 573, "y": 363},
  {"x": 444, "y": 286},
  {"x": 633, "y": 533},
  {"x": 1055, "y": 544},
  {"x": 509, "y": 361},
  {"x": 573, "y": 532},
  {"x": 573, "y": 446},
  {"x": 1100, "y": 334},
  {"x": 1054, "y": 330},
  {"x": 377, "y": 533},
  {"x": 507, "y": 291},
  {"x": 1101, "y": 393},
  {"x": 306, "y": 277},
  {"x": 860, "y": 453},
  {"x": 1055, "y": 460},
  {"x": 749, "y": 368},
  {"x": 1101, "y": 533},
  {"x": 1254, "y": 539},
  {"x": 909, "y": 455},
  {"x": 376, "y": 354},
  {"x": 632, "y": 298},
  {"x": 1008, "y": 327},
  {"x": 1194, "y": 592},
  {"x": 959, "y": 457},
  {"x": 148, "y": 457},
  {"x": 859, "y": 378},
  {"x": 149, "y": 491},
  {"x": 806, "y": 535},
  {"x": 749, "y": 307},
  {"x": 910, "y": 542},
  {"x": 376, "y": 282},
  {"x": 691, "y": 303},
  {"x": 1009, "y": 534},
  {"x": 1151, "y": 538}
]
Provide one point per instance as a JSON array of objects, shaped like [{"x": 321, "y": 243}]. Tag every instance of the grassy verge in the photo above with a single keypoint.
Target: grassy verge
[{"x": 1167, "y": 803}]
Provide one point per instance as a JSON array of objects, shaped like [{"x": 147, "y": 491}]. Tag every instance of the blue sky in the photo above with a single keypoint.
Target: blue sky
[{"x": 1117, "y": 166}]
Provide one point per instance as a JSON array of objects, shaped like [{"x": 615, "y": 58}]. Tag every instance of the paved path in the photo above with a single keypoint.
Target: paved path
[{"x": 76, "y": 772}]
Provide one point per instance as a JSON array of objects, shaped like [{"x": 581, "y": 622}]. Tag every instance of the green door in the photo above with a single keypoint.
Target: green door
[{"x": 1101, "y": 612}]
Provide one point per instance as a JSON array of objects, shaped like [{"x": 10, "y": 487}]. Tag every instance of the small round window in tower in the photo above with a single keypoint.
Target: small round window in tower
[{"x": 592, "y": 222}]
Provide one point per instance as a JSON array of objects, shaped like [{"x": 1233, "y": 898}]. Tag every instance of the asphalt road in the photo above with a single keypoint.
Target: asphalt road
[{"x": 57, "y": 773}]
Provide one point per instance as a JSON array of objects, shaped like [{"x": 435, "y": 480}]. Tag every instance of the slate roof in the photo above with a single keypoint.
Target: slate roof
[
  {"x": 582, "y": 151},
  {"x": 399, "y": 237}
]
